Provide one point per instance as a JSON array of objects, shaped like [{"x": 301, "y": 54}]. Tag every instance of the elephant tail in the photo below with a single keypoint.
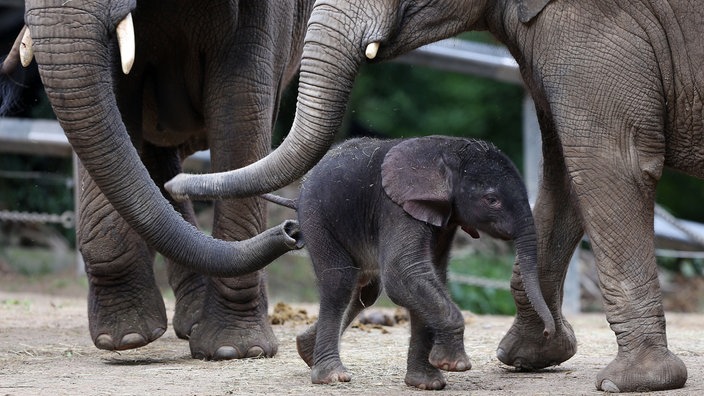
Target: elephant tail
[{"x": 289, "y": 203}]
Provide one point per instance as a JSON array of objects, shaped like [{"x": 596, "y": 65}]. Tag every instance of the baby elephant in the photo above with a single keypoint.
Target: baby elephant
[{"x": 382, "y": 214}]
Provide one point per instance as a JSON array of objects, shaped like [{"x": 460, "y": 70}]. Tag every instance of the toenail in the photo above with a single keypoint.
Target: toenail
[
  {"x": 158, "y": 332},
  {"x": 132, "y": 340},
  {"x": 255, "y": 352},
  {"x": 226, "y": 353},
  {"x": 104, "y": 341},
  {"x": 609, "y": 386}
]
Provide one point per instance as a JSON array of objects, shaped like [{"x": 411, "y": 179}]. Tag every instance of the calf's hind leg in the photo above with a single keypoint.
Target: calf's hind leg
[
  {"x": 337, "y": 279},
  {"x": 364, "y": 297}
]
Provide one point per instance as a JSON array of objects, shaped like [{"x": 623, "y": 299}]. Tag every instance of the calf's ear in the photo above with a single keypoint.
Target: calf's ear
[
  {"x": 415, "y": 176},
  {"x": 528, "y": 9}
]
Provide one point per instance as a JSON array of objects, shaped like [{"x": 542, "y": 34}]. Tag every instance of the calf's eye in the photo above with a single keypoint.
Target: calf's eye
[{"x": 492, "y": 201}]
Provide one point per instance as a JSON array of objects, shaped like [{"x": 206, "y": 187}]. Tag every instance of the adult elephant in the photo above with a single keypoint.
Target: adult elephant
[
  {"x": 618, "y": 91},
  {"x": 198, "y": 75}
]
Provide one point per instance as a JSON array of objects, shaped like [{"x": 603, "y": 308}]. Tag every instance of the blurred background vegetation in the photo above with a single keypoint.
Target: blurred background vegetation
[{"x": 389, "y": 100}]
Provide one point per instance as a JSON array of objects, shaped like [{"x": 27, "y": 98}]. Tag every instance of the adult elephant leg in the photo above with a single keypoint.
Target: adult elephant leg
[
  {"x": 559, "y": 229},
  {"x": 616, "y": 196},
  {"x": 239, "y": 119},
  {"x": 234, "y": 322},
  {"x": 188, "y": 286},
  {"x": 125, "y": 307},
  {"x": 223, "y": 318},
  {"x": 164, "y": 163}
]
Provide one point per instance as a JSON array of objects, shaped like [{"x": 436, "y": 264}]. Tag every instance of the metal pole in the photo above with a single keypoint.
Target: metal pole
[
  {"x": 532, "y": 149},
  {"x": 80, "y": 266}
]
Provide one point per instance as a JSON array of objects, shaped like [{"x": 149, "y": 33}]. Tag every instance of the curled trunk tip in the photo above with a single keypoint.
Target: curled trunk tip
[{"x": 549, "y": 329}]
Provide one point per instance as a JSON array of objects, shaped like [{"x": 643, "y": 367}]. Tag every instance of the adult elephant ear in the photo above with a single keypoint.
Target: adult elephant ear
[
  {"x": 415, "y": 176},
  {"x": 528, "y": 9}
]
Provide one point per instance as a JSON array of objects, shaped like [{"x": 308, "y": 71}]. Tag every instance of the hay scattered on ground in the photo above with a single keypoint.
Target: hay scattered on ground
[{"x": 284, "y": 313}]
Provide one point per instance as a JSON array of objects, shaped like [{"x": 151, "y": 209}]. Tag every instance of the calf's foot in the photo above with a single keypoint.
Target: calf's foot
[
  {"x": 305, "y": 345},
  {"x": 328, "y": 373},
  {"x": 449, "y": 357},
  {"x": 425, "y": 377}
]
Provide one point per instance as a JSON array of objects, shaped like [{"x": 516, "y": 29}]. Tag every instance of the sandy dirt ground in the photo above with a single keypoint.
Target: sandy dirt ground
[{"x": 45, "y": 349}]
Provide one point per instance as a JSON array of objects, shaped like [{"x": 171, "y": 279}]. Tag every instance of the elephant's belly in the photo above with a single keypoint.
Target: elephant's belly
[
  {"x": 683, "y": 59},
  {"x": 685, "y": 150},
  {"x": 685, "y": 128},
  {"x": 170, "y": 120},
  {"x": 691, "y": 164},
  {"x": 160, "y": 133}
]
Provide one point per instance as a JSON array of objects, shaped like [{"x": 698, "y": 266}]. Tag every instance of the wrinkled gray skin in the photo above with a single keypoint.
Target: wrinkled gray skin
[
  {"x": 206, "y": 74},
  {"x": 382, "y": 214},
  {"x": 618, "y": 91}
]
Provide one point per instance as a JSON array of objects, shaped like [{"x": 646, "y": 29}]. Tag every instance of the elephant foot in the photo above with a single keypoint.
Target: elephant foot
[
  {"x": 305, "y": 345},
  {"x": 425, "y": 378},
  {"x": 126, "y": 316},
  {"x": 654, "y": 369},
  {"x": 525, "y": 347},
  {"x": 450, "y": 356},
  {"x": 128, "y": 341},
  {"x": 218, "y": 338},
  {"x": 189, "y": 303},
  {"x": 329, "y": 373}
]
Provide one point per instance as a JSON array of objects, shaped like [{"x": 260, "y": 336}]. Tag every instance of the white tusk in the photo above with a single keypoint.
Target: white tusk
[
  {"x": 125, "y": 39},
  {"x": 26, "y": 49},
  {"x": 371, "y": 50}
]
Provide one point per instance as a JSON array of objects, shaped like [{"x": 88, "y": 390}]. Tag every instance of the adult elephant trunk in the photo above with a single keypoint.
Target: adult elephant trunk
[
  {"x": 329, "y": 65},
  {"x": 526, "y": 245},
  {"x": 73, "y": 47}
]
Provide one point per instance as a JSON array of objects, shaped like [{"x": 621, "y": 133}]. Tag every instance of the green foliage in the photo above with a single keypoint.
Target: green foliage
[
  {"x": 36, "y": 261},
  {"x": 398, "y": 100},
  {"x": 479, "y": 36},
  {"x": 37, "y": 184},
  {"x": 26, "y": 304},
  {"x": 681, "y": 195},
  {"x": 688, "y": 268},
  {"x": 481, "y": 300},
  {"x": 291, "y": 278}
]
